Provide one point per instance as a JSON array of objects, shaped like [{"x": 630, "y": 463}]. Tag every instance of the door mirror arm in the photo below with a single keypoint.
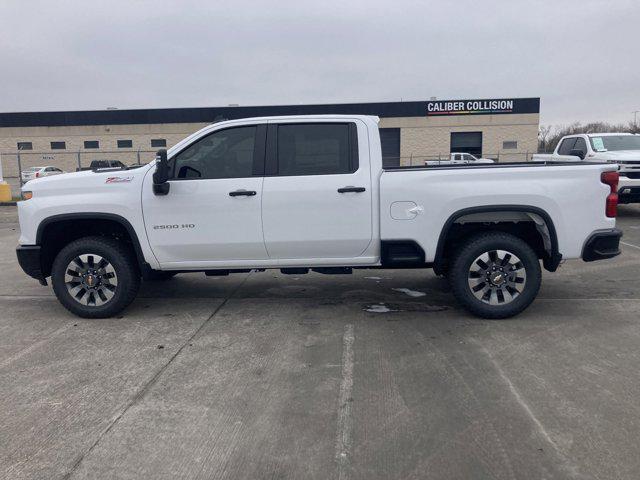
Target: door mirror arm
[{"x": 161, "y": 175}]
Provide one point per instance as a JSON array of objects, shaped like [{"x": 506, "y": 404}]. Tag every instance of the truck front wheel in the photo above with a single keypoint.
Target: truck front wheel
[
  {"x": 495, "y": 275},
  {"x": 95, "y": 277}
]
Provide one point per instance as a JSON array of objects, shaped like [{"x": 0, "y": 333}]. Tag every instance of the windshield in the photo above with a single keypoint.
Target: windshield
[
  {"x": 33, "y": 169},
  {"x": 615, "y": 142}
]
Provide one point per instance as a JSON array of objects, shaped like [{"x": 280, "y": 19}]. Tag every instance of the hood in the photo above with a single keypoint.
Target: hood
[
  {"x": 85, "y": 181},
  {"x": 619, "y": 155}
]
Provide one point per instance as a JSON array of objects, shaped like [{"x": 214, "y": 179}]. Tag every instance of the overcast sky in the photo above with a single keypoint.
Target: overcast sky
[{"x": 580, "y": 57}]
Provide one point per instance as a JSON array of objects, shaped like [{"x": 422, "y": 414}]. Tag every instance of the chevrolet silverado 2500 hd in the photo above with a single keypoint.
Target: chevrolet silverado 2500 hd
[
  {"x": 309, "y": 192},
  {"x": 620, "y": 148}
]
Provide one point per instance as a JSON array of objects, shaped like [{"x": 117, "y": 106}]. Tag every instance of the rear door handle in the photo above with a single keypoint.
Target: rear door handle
[
  {"x": 351, "y": 189},
  {"x": 246, "y": 193}
]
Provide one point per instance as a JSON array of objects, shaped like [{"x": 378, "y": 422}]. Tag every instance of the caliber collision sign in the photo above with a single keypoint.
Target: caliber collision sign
[{"x": 480, "y": 107}]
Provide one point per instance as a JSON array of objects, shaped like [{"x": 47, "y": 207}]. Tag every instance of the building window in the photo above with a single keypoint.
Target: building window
[
  {"x": 125, "y": 143},
  {"x": 510, "y": 145},
  {"x": 91, "y": 144},
  {"x": 158, "y": 142},
  {"x": 25, "y": 146},
  {"x": 58, "y": 145}
]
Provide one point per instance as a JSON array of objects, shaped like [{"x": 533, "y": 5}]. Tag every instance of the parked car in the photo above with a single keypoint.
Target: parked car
[
  {"x": 620, "y": 148},
  {"x": 97, "y": 164},
  {"x": 456, "y": 158},
  {"x": 37, "y": 172},
  {"x": 304, "y": 193}
]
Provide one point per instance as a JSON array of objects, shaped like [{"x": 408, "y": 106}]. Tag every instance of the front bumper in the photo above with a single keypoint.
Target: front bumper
[
  {"x": 601, "y": 245},
  {"x": 30, "y": 259}
]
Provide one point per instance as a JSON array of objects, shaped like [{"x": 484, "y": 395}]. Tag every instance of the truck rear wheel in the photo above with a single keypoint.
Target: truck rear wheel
[
  {"x": 95, "y": 277},
  {"x": 495, "y": 275}
]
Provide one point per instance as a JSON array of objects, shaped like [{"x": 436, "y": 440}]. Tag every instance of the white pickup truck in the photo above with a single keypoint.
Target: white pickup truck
[
  {"x": 458, "y": 157},
  {"x": 620, "y": 148},
  {"x": 309, "y": 192}
]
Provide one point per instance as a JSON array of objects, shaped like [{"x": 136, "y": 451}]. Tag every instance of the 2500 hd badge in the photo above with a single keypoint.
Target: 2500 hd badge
[{"x": 174, "y": 227}]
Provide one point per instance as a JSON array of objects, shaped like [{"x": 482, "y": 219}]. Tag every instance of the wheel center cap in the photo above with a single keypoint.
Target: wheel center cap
[
  {"x": 90, "y": 280},
  {"x": 497, "y": 278}
]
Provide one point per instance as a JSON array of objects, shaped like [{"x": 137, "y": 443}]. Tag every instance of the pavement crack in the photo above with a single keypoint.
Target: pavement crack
[
  {"x": 571, "y": 469},
  {"x": 151, "y": 382},
  {"x": 34, "y": 346},
  {"x": 345, "y": 401}
]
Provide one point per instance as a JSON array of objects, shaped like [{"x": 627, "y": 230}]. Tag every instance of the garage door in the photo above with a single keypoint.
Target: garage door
[
  {"x": 467, "y": 142},
  {"x": 390, "y": 142}
]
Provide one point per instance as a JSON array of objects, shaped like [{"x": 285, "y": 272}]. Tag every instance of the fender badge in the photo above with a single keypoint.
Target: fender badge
[{"x": 118, "y": 180}]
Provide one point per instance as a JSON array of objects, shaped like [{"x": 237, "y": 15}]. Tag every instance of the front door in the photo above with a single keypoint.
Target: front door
[
  {"x": 212, "y": 213},
  {"x": 317, "y": 192}
]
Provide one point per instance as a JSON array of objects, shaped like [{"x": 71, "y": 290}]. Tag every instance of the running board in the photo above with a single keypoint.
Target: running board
[{"x": 323, "y": 270}]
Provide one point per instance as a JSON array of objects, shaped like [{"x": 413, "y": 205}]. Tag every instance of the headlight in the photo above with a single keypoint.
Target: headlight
[{"x": 27, "y": 195}]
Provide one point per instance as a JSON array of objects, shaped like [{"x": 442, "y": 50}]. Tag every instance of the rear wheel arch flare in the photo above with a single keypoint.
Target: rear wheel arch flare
[{"x": 542, "y": 220}]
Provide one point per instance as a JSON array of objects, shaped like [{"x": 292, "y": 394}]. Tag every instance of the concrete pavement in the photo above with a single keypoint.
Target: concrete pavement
[{"x": 265, "y": 375}]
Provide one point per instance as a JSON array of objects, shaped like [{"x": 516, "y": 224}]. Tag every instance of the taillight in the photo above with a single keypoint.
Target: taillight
[
  {"x": 37, "y": 174},
  {"x": 611, "y": 206}
]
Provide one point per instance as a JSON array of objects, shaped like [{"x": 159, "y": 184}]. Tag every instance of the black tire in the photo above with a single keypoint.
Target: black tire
[
  {"x": 159, "y": 276},
  {"x": 122, "y": 265},
  {"x": 517, "y": 283}
]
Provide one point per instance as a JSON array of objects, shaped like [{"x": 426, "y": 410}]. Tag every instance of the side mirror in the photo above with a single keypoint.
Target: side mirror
[
  {"x": 161, "y": 175},
  {"x": 577, "y": 153}
]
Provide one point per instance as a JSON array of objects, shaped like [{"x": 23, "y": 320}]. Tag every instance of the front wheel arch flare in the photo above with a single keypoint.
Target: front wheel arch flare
[{"x": 91, "y": 225}]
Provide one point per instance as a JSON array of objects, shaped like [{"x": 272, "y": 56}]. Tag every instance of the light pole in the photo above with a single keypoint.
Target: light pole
[{"x": 635, "y": 118}]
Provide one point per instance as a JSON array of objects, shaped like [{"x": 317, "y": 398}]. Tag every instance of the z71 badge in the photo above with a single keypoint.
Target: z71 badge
[{"x": 118, "y": 180}]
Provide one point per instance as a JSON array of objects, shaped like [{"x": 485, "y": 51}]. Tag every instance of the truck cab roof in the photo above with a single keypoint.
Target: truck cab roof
[{"x": 610, "y": 134}]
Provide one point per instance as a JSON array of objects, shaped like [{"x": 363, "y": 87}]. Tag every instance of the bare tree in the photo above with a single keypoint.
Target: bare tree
[{"x": 543, "y": 138}]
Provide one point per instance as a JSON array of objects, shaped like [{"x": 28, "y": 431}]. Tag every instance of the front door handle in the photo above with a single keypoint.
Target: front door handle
[
  {"x": 239, "y": 193},
  {"x": 351, "y": 189}
]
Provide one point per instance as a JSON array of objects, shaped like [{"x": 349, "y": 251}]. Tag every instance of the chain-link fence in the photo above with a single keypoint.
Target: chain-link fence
[
  {"x": 15, "y": 165},
  {"x": 415, "y": 160}
]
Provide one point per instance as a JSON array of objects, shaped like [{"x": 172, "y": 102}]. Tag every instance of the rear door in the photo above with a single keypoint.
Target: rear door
[{"x": 317, "y": 191}]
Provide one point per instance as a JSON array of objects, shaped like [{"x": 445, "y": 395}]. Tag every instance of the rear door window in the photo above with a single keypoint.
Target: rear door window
[{"x": 316, "y": 149}]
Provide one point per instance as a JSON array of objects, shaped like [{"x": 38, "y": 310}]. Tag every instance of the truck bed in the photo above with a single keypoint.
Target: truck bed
[{"x": 423, "y": 199}]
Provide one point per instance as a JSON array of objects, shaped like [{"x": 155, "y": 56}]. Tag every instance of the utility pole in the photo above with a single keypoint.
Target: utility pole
[{"x": 635, "y": 118}]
